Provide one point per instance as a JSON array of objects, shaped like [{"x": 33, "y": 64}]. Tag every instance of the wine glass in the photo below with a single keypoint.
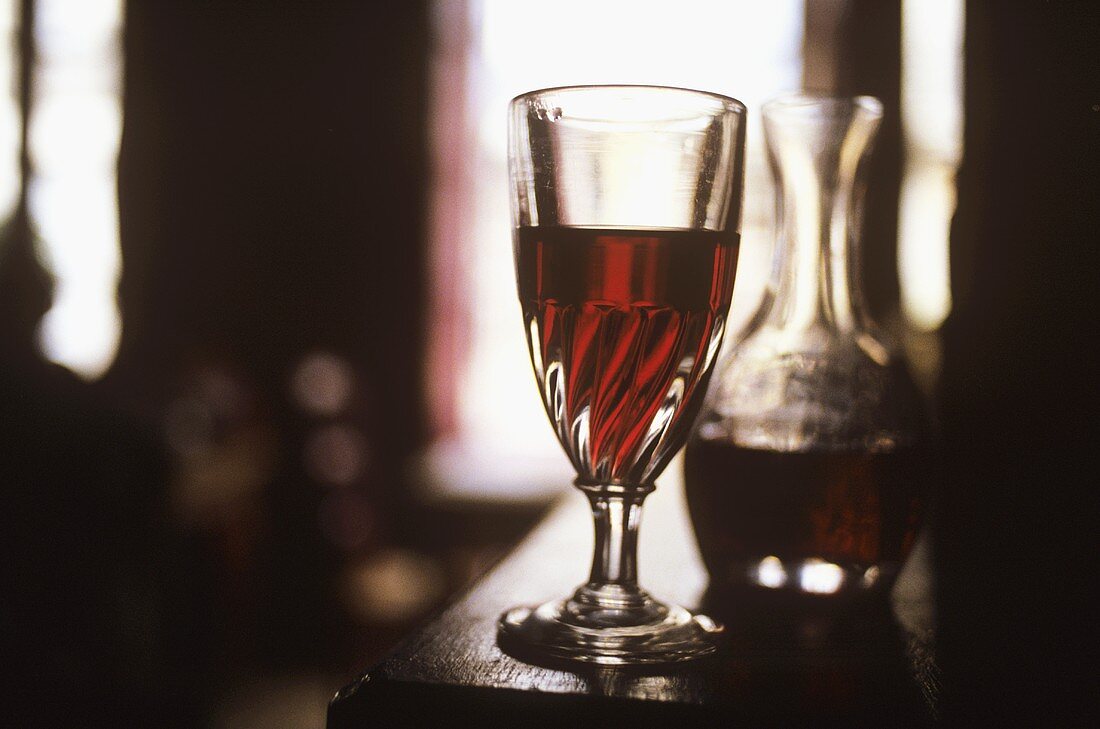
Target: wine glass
[{"x": 626, "y": 207}]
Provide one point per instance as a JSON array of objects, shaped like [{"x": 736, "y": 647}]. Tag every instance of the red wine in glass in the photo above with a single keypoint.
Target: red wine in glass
[{"x": 623, "y": 326}]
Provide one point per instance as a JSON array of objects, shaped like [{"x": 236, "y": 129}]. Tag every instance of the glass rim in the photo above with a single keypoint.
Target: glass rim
[
  {"x": 822, "y": 101},
  {"x": 730, "y": 103}
]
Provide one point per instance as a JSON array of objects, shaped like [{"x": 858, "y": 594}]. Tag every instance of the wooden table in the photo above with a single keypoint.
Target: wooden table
[{"x": 776, "y": 666}]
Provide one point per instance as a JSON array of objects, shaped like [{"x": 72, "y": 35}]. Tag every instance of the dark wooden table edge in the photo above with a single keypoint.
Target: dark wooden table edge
[
  {"x": 378, "y": 698},
  {"x": 396, "y": 703},
  {"x": 418, "y": 703}
]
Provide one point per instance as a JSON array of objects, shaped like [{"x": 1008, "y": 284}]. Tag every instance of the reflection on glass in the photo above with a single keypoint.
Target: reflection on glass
[
  {"x": 770, "y": 573},
  {"x": 618, "y": 683},
  {"x": 815, "y": 575},
  {"x": 820, "y": 577},
  {"x": 870, "y": 577}
]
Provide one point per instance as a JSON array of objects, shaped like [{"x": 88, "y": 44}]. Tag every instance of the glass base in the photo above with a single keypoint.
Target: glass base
[{"x": 557, "y": 630}]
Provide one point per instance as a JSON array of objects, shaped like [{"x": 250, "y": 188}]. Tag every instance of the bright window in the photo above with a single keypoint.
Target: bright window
[
  {"x": 73, "y": 138},
  {"x": 493, "y": 437}
]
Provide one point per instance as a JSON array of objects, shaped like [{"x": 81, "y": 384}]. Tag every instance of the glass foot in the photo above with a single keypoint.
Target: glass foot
[{"x": 670, "y": 634}]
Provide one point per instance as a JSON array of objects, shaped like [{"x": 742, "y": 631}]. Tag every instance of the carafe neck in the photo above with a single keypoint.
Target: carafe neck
[{"x": 816, "y": 146}]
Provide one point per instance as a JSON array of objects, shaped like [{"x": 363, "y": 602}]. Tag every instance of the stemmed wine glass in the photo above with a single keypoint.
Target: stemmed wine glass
[{"x": 626, "y": 207}]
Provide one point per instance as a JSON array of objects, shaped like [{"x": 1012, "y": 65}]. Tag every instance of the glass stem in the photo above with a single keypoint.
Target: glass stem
[
  {"x": 616, "y": 519},
  {"x": 611, "y": 597}
]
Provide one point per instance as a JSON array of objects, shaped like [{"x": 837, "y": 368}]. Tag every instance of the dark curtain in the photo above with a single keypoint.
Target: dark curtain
[
  {"x": 1016, "y": 521},
  {"x": 272, "y": 181}
]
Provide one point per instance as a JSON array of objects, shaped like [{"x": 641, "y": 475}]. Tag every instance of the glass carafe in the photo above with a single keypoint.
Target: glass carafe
[{"x": 806, "y": 472}]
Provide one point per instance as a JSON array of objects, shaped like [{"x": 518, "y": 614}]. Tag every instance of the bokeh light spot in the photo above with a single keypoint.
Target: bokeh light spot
[{"x": 322, "y": 384}]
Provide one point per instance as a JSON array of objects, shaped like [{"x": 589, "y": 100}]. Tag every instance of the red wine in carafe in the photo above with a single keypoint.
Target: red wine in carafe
[{"x": 763, "y": 517}]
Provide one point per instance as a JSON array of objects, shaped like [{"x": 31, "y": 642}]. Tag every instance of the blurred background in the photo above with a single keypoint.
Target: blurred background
[{"x": 265, "y": 402}]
